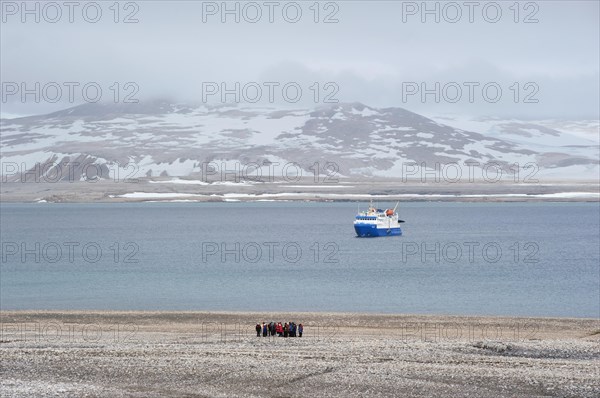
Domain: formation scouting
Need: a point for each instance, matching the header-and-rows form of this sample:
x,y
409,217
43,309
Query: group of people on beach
x,y
288,329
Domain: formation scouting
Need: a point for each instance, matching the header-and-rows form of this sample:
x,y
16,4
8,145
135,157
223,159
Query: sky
x,y
532,60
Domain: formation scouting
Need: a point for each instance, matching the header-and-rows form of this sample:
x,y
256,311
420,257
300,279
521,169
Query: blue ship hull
x,y
368,230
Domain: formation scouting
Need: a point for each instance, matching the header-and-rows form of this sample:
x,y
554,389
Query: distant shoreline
x,y
359,190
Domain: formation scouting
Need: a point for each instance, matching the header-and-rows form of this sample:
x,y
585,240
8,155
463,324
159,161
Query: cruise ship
x,y
377,222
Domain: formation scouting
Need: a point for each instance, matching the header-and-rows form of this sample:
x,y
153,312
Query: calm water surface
x,y
531,259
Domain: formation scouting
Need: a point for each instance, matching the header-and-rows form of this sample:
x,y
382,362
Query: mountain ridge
x,y
162,138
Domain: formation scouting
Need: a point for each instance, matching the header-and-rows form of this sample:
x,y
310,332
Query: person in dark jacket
x,y
286,330
300,330
264,329
257,330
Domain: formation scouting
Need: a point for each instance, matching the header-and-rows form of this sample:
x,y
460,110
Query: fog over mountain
x,y
369,49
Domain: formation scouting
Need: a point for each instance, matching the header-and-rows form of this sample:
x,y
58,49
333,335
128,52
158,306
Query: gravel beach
x,y
206,354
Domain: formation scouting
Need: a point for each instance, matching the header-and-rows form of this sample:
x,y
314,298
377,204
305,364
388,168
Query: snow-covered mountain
x,y
165,139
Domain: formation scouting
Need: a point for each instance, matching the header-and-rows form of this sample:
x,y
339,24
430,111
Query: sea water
x,y
516,259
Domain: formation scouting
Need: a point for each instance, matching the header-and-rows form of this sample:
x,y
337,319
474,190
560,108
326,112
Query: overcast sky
x,y
370,55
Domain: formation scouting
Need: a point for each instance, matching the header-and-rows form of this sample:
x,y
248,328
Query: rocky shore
x,y
205,354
